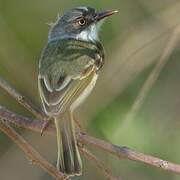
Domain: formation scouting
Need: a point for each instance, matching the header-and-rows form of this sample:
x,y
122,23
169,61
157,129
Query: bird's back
x,y
63,64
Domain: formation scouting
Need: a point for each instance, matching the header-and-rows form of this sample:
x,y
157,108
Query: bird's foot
x,y
45,126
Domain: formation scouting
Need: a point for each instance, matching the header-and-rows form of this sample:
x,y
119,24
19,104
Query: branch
x,y
107,172
29,106
33,155
37,125
21,121
22,99
127,153
120,152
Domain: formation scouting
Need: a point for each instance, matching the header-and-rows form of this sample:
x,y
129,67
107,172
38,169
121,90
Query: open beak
x,y
104,14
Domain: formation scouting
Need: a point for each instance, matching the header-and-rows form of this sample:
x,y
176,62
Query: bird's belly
x,y
85,93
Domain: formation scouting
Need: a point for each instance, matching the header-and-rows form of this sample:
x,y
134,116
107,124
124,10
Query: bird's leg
x,y
45,125
76,122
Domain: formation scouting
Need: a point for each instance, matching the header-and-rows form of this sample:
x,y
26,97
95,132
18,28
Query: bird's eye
x,y
82,22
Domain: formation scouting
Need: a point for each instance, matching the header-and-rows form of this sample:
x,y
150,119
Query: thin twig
x,y
149,83
22,121
120,152
106,171
22,99
36,125
32,154
127,153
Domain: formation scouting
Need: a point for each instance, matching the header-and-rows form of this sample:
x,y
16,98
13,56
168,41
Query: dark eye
x,y
82,22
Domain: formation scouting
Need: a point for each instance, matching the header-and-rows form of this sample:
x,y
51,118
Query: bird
x,y
68,70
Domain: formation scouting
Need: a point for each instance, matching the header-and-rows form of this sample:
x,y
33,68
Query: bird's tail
x,y
68,160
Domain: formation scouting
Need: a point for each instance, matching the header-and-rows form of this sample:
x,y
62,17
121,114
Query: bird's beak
x,y
104,14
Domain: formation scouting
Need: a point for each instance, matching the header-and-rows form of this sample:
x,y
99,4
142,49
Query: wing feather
x,y
57,101
59,87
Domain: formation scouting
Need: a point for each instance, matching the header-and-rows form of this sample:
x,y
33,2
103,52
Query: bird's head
x,y
81,23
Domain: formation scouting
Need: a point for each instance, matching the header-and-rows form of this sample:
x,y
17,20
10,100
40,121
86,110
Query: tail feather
x,y
68,160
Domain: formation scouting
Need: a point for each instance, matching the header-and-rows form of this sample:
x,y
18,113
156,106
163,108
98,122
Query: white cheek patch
x,y
91,33
83,35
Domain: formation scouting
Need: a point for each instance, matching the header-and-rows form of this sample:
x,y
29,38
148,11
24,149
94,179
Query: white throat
x,y
90,34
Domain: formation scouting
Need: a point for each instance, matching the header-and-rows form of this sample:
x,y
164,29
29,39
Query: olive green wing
x,y
61,81
57,102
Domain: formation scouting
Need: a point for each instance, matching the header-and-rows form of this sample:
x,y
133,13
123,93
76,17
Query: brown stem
x,y
127,153
106,171
22,121
32,154
36,125
22,99
120,152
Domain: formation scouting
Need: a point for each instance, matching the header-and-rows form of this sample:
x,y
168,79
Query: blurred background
x,y
134,40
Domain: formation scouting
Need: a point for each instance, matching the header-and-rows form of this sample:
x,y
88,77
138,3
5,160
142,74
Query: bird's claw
x,y
45,126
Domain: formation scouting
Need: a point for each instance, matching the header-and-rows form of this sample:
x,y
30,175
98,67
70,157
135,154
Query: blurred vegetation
x,y
142,27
